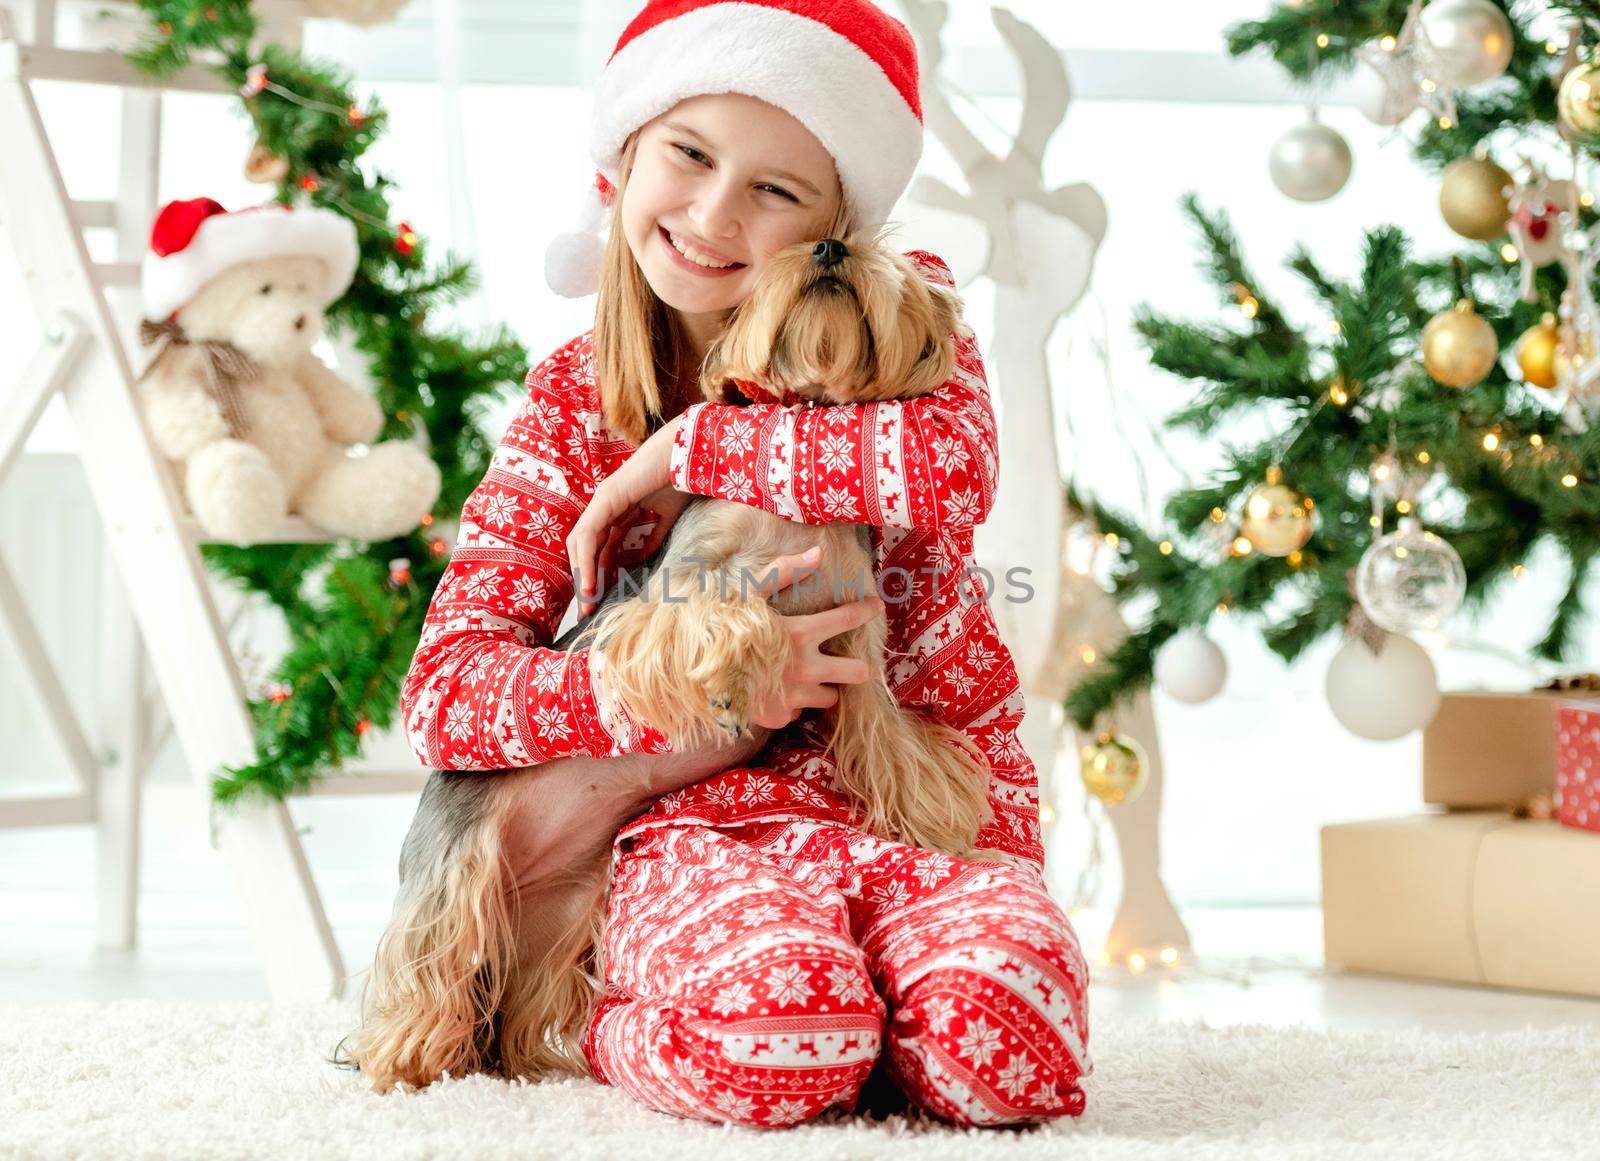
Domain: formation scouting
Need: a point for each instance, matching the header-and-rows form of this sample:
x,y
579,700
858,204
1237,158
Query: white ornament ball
x,y
1191,668
1383,98
1386,695
1310,163
1472,39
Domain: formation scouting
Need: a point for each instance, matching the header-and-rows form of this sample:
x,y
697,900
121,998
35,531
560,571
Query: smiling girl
x,y
763,951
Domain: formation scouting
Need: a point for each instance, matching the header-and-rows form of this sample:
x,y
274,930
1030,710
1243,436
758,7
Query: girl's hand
x,y
811,678
644,481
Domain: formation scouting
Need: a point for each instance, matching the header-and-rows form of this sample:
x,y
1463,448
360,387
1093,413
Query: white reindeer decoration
x,y
1040,251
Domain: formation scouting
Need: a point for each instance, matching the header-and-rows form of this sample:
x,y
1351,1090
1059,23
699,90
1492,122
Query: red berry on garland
x,y
363,726
255,79
356,115
309,183
278,692
406,240
399,571
437,546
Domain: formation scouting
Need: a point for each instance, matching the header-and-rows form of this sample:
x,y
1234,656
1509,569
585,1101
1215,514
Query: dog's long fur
x,y
461,983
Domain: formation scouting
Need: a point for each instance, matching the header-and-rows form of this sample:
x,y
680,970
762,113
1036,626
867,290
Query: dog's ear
x,y
934,312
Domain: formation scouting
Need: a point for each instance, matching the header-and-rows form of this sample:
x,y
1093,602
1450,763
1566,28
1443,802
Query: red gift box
x,y
1578,765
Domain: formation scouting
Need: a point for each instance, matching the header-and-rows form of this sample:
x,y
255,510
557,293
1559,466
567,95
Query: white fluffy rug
x,y
165,1081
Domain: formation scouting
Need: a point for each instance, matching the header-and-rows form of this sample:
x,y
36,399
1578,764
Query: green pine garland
x,y
1504,502
353,624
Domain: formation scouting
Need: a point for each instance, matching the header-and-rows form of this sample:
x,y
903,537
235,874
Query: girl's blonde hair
x,y
637,340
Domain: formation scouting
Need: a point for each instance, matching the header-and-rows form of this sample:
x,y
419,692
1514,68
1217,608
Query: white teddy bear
x,y
258,426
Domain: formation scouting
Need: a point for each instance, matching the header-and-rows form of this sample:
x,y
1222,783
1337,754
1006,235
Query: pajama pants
x,y
755,975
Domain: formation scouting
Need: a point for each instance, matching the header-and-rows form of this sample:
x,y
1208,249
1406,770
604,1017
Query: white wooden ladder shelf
x,y
175,623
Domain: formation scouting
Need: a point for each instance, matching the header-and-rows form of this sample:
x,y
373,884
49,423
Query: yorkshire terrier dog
x,y
839,322
477,973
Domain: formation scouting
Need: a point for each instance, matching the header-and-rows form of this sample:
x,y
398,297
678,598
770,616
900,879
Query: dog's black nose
x,y
829,252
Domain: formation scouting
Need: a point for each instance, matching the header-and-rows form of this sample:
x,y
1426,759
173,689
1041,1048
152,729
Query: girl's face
x,y
731,180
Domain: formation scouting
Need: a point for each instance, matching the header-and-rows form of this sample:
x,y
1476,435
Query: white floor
x,y
1251,965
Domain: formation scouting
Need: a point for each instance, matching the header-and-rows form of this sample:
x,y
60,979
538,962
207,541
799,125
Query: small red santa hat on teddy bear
x,y
195,240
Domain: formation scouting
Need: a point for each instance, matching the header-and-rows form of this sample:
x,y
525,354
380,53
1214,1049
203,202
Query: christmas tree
x,y
1411,469
353,611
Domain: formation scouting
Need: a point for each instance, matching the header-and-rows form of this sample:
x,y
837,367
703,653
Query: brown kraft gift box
x,y
1484,750
1476,898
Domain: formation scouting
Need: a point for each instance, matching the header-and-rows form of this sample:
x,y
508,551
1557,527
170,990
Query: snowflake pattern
x,y
835,453
759,789
739,438
458,720
740,488
760,914
543,525
930,869
712,935
980,657
789,985
962,507
481,585
735,1106
949,453
551,722
499,509
787,1112
1016,1078
845,985
736,996
939,1014
891,894
980,1042
840,504
547,673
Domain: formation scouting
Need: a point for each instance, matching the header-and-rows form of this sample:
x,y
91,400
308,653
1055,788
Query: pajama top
x,y
485,690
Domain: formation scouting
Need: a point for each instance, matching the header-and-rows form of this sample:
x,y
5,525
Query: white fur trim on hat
x,y
224,240
800,65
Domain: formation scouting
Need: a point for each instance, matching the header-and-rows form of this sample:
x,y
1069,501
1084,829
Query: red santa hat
x,y
844,69
193,241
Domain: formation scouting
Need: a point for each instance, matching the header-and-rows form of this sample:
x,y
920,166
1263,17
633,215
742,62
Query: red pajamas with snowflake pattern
x,y
976,983
755,977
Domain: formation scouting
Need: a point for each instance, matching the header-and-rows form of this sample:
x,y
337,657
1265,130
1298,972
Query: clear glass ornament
x,y
1410,580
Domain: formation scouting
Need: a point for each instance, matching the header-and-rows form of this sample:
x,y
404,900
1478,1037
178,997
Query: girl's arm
x,y
926,463
484,691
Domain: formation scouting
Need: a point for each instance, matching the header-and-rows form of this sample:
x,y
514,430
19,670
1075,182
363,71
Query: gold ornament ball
x,y
1536,353
1114,769
1578,101
1277,519
1458,347
1473,198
